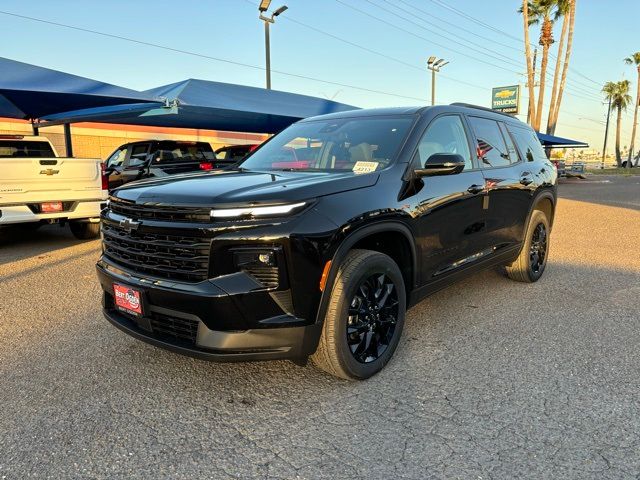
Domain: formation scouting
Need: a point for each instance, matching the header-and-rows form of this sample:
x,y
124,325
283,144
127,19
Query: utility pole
x,y
606,134
434,65
264,6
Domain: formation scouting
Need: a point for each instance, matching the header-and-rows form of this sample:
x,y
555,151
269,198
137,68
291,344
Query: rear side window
x,y
511,148
184,152
16,148
138,154
491,147
528,143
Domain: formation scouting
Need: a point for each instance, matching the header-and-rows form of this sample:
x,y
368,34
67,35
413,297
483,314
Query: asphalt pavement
x,y
493,379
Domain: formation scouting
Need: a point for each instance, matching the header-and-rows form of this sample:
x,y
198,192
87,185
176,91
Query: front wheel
x,y
530,264
85,231
365,316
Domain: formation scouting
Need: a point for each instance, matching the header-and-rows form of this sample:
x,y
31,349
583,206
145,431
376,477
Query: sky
x,y
379,46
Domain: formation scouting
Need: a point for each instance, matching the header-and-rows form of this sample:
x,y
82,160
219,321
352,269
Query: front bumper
x,y
225,319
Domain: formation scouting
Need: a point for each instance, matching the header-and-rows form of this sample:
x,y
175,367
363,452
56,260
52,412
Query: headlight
x,y
256,211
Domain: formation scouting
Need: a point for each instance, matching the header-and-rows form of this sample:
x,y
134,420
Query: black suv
x,y
157,158
320,240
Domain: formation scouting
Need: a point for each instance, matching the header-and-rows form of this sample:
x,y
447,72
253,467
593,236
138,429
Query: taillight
x,y
105,178
253,147
206,166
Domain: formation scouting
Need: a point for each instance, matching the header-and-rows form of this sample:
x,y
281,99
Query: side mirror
x,y
442,164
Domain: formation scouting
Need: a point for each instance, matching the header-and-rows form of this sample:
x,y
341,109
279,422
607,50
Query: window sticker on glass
x,y
365,167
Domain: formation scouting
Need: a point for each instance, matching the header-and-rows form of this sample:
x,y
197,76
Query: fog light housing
x,y
265,264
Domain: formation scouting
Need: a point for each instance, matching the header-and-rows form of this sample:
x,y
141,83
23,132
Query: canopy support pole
x,y
35,129
67,139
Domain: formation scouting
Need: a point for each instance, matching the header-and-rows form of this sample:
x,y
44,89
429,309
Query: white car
x,y
37,186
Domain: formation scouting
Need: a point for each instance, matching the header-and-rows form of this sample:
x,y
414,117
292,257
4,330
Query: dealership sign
x,y
506,99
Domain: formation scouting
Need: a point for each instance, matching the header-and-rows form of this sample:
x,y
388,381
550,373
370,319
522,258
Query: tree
x,y
544,12
567,9
634,59
618,94
527,52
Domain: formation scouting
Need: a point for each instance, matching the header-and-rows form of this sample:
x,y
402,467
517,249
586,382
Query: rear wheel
x,y
365,316
530,264
85,231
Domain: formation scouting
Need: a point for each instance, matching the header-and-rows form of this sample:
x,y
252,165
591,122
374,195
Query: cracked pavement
x,y
492,380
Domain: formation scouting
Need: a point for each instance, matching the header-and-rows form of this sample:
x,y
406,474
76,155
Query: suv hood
x,y
242,187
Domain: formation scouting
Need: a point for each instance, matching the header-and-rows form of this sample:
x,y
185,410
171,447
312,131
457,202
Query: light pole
x,y
263,7
434,65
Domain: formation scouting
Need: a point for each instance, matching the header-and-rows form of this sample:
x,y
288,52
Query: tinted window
x,y
492,151
117,158
511,148
177,152
17,148
138,154
445,135
528,143
358,144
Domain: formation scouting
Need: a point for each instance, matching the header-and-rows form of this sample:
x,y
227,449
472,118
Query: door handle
x,y
475,188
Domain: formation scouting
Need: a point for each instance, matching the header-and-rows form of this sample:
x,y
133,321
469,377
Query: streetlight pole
x,y
434,64
263,7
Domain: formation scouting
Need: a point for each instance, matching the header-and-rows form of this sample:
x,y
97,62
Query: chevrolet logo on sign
x,y
506,99
49,172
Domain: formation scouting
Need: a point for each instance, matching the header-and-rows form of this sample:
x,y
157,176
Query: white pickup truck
x,y
38,187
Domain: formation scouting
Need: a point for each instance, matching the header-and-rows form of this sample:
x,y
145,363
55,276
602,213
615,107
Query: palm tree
x,y
542,11
618,94
530,73
566,9
634,59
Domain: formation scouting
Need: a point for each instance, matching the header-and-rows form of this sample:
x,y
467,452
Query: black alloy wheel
x,y
538,249
373,315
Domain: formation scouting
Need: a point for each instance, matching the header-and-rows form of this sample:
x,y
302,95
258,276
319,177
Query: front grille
x,y
160,212
177,328
268,276
165,256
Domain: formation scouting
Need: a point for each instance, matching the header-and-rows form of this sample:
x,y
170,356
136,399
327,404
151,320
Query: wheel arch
x,y
545,201
368,237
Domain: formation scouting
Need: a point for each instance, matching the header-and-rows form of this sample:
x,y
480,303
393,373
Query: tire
x,y
369,347
530,265
85,231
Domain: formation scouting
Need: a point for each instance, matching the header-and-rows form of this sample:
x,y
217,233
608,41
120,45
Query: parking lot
x,y
492,379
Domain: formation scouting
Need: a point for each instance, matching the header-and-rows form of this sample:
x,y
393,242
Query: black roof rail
x,y
478,107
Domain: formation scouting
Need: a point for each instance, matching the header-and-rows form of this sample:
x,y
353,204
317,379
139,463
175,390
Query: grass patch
x,y
615,171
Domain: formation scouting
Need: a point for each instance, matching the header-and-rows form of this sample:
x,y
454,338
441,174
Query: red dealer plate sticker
x,y
127,299
51,207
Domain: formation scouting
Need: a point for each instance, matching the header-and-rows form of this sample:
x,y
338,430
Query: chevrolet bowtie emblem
x,y
129,225
49,171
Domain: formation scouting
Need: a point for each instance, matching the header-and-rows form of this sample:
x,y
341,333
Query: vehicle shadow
x,y
18,243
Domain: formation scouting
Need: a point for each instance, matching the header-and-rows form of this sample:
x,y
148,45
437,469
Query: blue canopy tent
x,y
551,141
213,106
30,92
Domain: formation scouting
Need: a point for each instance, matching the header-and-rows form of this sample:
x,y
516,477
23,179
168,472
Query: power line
x,y
208,57
501,32
507,60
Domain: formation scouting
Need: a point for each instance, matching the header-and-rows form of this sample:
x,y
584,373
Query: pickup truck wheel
x,y
365,316
85,231
530,264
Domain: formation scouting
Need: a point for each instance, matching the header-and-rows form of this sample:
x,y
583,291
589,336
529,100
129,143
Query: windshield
x,y
361,145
